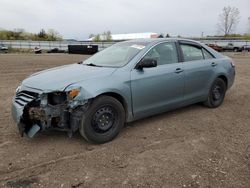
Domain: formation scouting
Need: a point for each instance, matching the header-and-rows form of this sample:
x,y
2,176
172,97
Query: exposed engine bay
x,y
56,110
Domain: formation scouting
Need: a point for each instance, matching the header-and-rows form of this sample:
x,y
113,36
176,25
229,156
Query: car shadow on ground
x,y
128,127
166,114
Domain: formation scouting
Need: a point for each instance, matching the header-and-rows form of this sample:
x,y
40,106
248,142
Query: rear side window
x,y
191,52
206,54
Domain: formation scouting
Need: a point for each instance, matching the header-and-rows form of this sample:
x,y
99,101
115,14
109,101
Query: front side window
x,y
164,53
191,52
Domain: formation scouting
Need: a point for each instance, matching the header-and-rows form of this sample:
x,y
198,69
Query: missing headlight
x,y
57,98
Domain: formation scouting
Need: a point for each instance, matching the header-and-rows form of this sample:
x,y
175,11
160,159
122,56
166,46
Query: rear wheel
x,y
103,120
216,94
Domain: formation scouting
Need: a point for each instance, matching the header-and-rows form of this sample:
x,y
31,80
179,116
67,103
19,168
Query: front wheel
x,y
216,94
103,120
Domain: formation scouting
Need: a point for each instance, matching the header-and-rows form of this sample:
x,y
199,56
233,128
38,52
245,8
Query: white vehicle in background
x,y
232,47
3,48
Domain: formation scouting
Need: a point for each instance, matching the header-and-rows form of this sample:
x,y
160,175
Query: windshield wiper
x,y
93,65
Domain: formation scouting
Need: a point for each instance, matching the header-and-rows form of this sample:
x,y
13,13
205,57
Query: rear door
x,y
198,68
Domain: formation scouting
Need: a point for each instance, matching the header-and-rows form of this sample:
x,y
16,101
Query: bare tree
x,y
248,29
109,36
91,36
228,20
106,36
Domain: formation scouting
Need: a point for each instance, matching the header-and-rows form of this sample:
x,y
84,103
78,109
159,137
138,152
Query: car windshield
x,y
116,55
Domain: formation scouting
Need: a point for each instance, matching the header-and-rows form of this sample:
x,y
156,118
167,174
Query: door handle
x,y
178,70
213,64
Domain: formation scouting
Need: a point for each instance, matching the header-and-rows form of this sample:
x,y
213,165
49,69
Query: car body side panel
x,y
118,83
156,89
222,68
197,76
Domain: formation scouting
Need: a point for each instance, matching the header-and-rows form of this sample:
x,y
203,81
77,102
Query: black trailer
x,y
83,49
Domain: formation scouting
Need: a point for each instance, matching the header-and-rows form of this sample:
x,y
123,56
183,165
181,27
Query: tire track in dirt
x,y
37,169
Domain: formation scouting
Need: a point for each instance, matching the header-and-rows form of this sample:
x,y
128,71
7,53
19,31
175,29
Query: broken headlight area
x,y
57,98
56,110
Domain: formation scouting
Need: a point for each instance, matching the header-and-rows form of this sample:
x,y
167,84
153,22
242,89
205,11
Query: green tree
x,y
53,35
97,38
42,34
20,34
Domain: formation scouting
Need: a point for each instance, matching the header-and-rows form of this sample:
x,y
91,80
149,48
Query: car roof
x,y
152,42
157,40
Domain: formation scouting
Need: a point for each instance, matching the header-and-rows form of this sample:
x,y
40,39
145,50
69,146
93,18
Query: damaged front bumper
x,y
34,112
17,112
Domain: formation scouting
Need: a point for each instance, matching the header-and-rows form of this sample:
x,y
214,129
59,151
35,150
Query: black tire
x,y
216,94
236,49
103,120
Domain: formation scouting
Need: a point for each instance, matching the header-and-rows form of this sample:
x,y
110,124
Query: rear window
x,y
207,55
191,52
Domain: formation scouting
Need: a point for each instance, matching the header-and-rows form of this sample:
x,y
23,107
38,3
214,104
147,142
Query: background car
x,y
216,47
246,48
3,48
37,50
56,50
232,47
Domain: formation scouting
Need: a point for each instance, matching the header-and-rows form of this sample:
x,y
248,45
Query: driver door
x,y
159,88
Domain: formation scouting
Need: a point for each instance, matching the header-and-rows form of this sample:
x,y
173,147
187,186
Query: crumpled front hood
x,y
57,79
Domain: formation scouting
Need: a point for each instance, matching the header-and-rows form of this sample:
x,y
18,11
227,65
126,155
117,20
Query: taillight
x,y
232,63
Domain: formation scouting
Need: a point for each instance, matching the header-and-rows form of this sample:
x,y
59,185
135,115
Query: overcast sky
x,y
79,18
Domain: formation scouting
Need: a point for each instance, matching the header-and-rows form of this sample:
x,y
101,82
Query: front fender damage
x,y
54,110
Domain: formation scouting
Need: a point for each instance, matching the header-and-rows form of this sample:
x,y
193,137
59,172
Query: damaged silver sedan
x,y
123,83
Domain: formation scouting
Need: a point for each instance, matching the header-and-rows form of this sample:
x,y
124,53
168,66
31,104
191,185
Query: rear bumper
x,y
231,78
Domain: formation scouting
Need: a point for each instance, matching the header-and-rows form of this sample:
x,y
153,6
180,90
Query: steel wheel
x,y
216,94
103,119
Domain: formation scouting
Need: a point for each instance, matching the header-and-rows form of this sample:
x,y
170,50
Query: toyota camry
x,y
125,82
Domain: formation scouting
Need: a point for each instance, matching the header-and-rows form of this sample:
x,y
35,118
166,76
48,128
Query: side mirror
x,y
146,63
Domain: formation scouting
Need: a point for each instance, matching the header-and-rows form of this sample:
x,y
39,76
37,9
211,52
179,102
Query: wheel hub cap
x,y
103,119
217,93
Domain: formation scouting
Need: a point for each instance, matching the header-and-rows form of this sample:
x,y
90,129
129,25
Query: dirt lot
x,y
190,147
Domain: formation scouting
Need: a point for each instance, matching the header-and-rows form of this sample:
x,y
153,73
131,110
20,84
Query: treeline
x,y
245,36
21,34
105,36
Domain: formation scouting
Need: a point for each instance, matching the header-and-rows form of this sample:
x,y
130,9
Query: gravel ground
x,y
189,147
